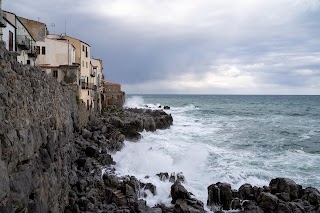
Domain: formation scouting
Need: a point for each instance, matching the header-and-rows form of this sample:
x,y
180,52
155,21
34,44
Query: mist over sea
x,y
226,138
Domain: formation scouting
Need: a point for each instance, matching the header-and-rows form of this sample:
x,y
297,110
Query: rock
x,y
250,206
86,134
149,186
178,192
131,134
246,192
117,122
92,151
312,195
166,107
236,204
268,202
284,185
220,194
189,205
163,176
172,178
180,177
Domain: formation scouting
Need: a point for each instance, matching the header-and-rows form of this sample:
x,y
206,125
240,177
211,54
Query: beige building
x,y
22,38
59,61
82,57
113,94
96,74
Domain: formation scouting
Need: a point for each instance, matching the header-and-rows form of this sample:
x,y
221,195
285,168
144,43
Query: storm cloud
x,y
204,46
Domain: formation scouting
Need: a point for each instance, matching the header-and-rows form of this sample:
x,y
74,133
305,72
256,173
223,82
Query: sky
x,y
193,47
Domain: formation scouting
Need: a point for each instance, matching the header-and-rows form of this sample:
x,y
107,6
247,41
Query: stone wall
x,y
38,118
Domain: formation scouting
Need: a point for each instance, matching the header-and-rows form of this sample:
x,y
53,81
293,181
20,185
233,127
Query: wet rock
x,y
166,107
172,178
163,176
246,192
268,202
178,192
312,195
250,206
149,186
284,185
220,194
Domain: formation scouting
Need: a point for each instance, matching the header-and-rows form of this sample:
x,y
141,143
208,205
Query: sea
x,y
226,138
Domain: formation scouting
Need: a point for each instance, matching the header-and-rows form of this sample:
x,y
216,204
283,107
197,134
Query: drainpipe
x,y
1,17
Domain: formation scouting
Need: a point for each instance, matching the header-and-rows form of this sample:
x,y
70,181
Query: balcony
x,y
93,74
32,53
23,42
85,85
3,22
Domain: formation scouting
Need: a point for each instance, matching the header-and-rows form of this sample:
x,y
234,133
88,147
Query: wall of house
x,y
5,36
23,54
82,56
56,53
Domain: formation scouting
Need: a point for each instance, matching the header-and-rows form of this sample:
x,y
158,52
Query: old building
x,y
113,94
59,62
96,74
23,42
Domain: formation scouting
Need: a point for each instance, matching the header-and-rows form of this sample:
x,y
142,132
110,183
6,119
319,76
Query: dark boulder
x,y
178,192
246,192
268,202
284,185
166,107
131,134
163,176
92,151
220,194
312,195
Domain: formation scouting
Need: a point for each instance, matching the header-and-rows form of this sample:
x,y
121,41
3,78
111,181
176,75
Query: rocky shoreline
x,y
124,194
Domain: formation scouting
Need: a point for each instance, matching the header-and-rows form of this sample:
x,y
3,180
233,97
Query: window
x,y
88,92
38,50
55,73
43,50
28,61
10,41
87,52
82,63
83,48
86,64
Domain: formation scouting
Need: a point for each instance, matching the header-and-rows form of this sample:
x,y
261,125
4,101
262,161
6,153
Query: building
x,y
82,57
20,41
112,94
9,35
97,76
59,62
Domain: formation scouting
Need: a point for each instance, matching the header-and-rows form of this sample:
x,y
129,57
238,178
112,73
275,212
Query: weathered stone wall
x,y
37,122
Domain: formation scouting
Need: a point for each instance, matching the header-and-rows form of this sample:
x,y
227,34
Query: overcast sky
x,y
194,46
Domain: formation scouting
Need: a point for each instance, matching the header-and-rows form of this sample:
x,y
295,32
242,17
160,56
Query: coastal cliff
x,y
55,156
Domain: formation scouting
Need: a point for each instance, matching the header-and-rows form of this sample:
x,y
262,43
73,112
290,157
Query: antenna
x,y
54,27
65,27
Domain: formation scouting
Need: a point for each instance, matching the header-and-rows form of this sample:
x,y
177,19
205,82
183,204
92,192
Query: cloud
x,y
170,46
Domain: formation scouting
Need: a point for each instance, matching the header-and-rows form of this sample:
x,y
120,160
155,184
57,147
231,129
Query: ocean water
x,y
234,139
